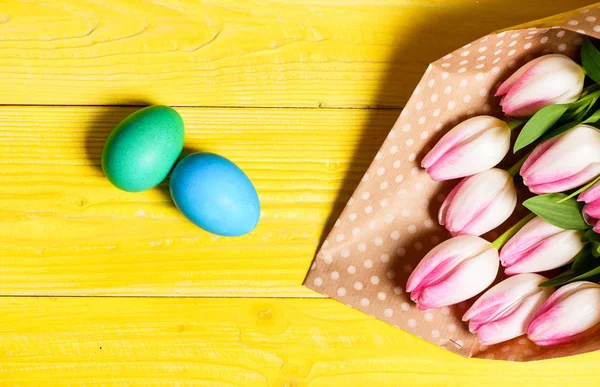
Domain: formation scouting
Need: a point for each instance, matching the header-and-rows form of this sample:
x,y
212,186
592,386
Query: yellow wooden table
x,y
104,288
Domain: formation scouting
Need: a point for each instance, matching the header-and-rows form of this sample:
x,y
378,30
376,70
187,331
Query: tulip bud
x,y
473,146
564,162
591,209
566,315
479,203
505,311
540,246
453,271
549,79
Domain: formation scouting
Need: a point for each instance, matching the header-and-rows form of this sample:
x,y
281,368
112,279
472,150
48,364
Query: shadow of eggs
x,y
215,194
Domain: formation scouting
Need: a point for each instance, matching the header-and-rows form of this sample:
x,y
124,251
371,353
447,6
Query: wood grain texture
x,y
238,342
283,53
66,230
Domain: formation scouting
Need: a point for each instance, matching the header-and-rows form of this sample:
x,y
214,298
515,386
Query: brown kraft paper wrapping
x,y
390,222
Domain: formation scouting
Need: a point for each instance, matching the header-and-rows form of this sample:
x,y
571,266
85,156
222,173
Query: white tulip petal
x,y
572,155
527,239
570,312
482,202
496,213
551,253
454,249
503,297
470,278
473,146
549,89
514,324
510,82
547,80
505,310
453,271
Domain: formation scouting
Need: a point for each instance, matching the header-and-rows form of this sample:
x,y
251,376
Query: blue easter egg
x,y
215,194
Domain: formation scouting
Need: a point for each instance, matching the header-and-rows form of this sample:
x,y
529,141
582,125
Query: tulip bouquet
x,y
554,104
509,124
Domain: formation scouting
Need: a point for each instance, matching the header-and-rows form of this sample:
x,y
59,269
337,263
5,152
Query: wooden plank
x,y
67,231
239,342
341,53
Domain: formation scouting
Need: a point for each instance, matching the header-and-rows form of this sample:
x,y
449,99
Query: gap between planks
x,y
212,107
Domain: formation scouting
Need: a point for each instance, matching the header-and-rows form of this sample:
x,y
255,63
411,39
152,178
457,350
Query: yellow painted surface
x,y
67,231
282,88
238,342
328,53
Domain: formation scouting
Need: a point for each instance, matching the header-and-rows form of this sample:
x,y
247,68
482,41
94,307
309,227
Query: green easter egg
x,y
142,149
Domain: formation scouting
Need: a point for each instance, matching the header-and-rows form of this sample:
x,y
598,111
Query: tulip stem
x,y
514,170
502,239
514,124
580,190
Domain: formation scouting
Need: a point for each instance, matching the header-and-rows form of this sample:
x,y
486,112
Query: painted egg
x,y
215,194
142,149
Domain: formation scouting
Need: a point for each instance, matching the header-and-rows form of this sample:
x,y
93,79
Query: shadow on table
x,y
102,122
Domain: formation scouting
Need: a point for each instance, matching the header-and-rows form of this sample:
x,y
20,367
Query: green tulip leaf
x,y
562,279
592,119
565,214
590,236
577,112
592,273
590,58
585,101
593,238
539,124
585,261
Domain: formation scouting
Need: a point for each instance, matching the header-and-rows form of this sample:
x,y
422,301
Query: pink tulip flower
x,y
547,80
453,271
564,162
479,203
540,246
591,209
505,311
473,146
570,313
